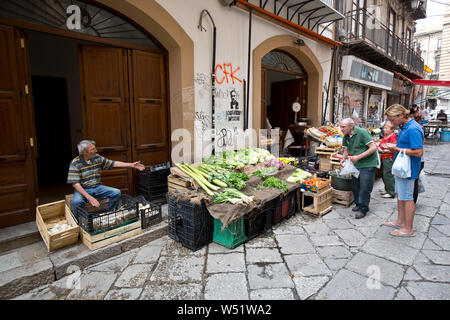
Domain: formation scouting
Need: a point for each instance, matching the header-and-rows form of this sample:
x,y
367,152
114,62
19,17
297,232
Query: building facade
x,y
143,78
378,59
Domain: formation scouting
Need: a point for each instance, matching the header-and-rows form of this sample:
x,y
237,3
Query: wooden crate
x,y
315,189
322,202
324,163
326,151
47,216
103,239
343,197
176,182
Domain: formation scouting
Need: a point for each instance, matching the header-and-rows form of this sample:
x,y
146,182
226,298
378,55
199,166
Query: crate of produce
x,y
150,213
97,220
325,164
315,185
94,242
156,193
342,197
258,221
190,224
231,236
321,203
55,229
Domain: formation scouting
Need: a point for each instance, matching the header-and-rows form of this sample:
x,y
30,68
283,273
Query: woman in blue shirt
x,y
409,139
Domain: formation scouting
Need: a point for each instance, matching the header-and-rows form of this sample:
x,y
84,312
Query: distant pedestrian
x,y
410,139
387,159
360,149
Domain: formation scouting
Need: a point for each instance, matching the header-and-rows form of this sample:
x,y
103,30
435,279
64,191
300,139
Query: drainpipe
x,y
213,78
250,14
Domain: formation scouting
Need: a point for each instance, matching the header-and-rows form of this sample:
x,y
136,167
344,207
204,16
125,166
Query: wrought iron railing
x,y
362,25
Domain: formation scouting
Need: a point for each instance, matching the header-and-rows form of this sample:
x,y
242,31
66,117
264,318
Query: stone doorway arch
x,y
150,16
311,65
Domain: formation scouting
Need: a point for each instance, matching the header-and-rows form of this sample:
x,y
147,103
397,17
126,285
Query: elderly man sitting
x,y
361,150
85,176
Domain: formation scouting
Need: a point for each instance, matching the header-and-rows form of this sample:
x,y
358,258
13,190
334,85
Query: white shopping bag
x,y
349,169
402,165
421,182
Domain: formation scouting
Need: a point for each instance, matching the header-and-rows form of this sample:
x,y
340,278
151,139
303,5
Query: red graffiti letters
x,y
225,70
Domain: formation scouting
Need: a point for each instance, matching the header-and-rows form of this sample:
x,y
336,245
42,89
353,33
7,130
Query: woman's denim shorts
x,y
404,189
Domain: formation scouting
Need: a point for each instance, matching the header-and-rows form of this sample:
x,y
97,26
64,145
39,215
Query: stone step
x,y
31,266
19,236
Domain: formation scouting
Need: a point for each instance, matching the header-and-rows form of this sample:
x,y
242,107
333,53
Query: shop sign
x,y
360,71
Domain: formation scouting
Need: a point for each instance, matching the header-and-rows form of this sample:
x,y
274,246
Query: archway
x,y
311,65
284,81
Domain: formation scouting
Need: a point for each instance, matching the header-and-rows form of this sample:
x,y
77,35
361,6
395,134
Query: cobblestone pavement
x,y
335,257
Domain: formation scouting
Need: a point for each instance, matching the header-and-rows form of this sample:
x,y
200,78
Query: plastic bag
x,y
421,183
349,169
402,165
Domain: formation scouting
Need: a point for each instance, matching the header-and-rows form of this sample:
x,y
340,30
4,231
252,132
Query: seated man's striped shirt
x,y
88,174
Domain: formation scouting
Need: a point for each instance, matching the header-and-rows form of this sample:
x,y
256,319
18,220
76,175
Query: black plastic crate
x,y
150,213
97,220
155,193
189,223
291,203
156,175
258,221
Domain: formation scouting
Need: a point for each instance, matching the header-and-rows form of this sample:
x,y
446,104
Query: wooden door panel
x,y
105,73
145,62
17,189
149,108
150,120
101,116
106,109
9,123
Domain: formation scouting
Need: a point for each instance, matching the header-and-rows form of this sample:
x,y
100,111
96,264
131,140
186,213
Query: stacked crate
x,y
322,197
153,183
325,157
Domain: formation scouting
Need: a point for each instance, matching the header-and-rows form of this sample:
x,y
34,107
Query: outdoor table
x,y
434,125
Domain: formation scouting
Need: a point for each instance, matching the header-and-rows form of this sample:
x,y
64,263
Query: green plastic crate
x,y
232,236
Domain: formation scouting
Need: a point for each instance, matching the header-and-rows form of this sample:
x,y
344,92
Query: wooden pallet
x,y
343,197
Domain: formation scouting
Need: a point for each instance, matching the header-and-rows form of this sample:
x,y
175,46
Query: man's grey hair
x,y
82,146
348,121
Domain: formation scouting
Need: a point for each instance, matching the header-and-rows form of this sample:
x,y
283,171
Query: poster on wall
x,y
353,101
374,109
229,105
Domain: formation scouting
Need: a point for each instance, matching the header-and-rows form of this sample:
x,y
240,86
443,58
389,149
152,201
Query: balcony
x,y
417,9
369,38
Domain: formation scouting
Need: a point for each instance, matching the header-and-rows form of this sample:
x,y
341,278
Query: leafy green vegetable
x,y
273,182
237,180
298,175
264,172
231,195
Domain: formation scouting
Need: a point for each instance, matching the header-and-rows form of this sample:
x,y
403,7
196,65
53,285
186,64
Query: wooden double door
x,y
124,109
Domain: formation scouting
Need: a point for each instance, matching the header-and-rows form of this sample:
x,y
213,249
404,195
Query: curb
x,y
59,264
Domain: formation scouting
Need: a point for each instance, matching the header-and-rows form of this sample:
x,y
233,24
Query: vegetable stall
x,y
243,193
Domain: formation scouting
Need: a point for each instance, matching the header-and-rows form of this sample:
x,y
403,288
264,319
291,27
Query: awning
x,y
301,15
433,83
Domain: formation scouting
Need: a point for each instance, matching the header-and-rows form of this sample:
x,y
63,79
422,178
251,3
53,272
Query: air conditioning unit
x,y
226,3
